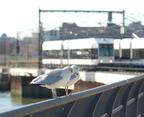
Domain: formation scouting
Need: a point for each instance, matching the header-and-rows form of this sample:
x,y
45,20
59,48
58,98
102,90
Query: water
x,y
9,102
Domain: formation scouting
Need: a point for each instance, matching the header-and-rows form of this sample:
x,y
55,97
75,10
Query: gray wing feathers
x,y
49,78
73,76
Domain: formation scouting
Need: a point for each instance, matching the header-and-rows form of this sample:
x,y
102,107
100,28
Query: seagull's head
x,y
68,69
75,69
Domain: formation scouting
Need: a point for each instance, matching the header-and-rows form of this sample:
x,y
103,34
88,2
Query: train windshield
x,y
105,49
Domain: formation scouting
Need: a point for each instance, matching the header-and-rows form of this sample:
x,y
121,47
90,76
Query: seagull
x,y
54,79
73,79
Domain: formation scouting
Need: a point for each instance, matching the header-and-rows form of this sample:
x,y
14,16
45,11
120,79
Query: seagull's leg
x,y
66,90
54,92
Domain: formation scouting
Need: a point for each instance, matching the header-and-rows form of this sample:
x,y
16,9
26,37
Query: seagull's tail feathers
x,y
37,80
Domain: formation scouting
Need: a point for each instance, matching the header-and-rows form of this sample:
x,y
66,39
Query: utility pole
x,y
5,51
17,49
40,41
39,45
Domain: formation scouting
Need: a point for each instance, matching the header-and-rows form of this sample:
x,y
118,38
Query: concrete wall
x,y
25,71
102,77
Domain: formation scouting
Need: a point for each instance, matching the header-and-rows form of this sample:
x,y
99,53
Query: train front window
x,y
105,50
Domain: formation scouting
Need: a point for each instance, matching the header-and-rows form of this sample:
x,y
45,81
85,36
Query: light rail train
x,y
86,53
129,51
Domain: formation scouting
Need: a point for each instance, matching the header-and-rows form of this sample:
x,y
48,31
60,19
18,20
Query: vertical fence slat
x,y
105,103
131,109
121,99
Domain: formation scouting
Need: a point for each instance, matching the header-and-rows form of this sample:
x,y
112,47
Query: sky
x,y
21,15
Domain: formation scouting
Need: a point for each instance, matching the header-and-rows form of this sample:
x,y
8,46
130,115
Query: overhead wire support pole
x,y
123,12
39,42
123,21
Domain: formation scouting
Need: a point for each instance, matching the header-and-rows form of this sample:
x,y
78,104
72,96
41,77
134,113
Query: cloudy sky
x,y
21,15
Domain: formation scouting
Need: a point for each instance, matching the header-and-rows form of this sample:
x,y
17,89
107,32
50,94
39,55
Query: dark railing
x,y
121,99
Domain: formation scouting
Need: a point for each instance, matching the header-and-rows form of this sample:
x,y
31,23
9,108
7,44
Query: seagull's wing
x,y
53,77
36,80
49,78
73,76
73,79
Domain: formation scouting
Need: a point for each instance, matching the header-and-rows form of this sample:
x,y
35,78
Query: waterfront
x,y
10,102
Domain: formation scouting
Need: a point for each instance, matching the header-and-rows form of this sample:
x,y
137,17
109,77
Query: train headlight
x,y
101,61
110,61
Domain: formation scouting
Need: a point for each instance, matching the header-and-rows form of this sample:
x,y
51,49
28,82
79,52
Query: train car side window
x,y
65,54
138,53
125,54
94,53
141,53
80,54
52,54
